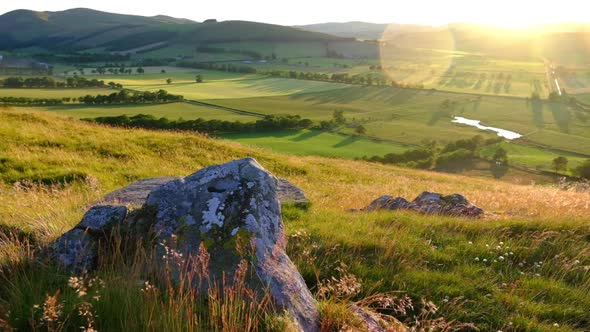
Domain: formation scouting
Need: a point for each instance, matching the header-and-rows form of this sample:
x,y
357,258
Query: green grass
x,y
532,157
171,111
52,93
545,281
316,143
410,116
245,87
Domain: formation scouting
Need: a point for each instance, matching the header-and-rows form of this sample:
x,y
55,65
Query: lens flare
x,y
417,58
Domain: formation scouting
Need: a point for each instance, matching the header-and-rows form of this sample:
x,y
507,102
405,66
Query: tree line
x,y
126,97
31,101
268,123
227,67
48,83
121,97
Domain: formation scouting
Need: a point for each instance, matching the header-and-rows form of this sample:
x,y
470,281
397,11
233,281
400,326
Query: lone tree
x,y
560,164
199,78
500,156
360,129
169,81
338,117
140,70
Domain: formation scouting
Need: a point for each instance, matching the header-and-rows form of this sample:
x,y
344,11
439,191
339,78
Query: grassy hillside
x,y
541,283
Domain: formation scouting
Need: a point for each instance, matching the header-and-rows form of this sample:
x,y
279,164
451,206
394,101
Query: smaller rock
x,y
137,192
289,193
100,219
429,203
388,203
372,322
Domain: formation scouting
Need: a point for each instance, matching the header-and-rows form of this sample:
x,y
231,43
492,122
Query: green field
x,y
408,116
171,111
248,86
53,93
317,143
532,157
405,116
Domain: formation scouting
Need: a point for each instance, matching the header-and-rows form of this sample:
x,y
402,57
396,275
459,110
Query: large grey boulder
x,y
220,205
429,203
231,210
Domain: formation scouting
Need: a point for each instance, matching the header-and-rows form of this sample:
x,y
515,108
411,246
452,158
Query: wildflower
x,y
477,259
501,243
537,275
576,262
485,260
555,324
470,242
501,258
52,308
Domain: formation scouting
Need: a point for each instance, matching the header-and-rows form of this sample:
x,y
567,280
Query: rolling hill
x,y
363,30
80,29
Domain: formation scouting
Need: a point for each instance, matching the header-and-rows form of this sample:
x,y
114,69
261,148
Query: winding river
x,y
476,123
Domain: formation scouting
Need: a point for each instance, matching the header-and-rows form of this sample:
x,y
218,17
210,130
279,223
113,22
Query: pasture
x,y
54,93
400,117
172,111
317,143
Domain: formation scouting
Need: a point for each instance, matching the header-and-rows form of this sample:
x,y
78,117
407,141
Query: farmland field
x,y
395,117
317,143
53,93
172,111
248,86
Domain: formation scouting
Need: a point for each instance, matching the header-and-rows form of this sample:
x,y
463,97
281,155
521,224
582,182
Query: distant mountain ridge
x,y
81,28
363,30
378,31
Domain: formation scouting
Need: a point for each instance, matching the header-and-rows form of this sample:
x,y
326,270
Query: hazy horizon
x,y
423,12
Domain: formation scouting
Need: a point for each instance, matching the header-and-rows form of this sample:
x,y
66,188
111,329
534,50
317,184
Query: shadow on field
x,y
561,115
306,136
385,95
440,114
537,108
347,141
264,134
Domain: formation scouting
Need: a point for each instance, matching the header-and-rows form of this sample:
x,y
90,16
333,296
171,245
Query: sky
x,y
509,13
